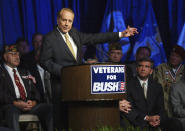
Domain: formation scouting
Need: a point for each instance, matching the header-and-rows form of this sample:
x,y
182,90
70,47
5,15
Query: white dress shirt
x,y
145,86
141,82
41,72
11,73
71,41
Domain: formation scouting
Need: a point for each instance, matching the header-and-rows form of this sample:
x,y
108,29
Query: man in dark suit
x,y
146,99
141,52
18,94
62,47
42,76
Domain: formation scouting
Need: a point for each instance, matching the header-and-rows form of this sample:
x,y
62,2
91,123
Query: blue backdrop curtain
x,y
176,18
1,34
11,21
139,14
181,40
149,32
22,18
116,12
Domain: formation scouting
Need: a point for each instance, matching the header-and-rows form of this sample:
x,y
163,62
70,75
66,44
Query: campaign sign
x,y
107,79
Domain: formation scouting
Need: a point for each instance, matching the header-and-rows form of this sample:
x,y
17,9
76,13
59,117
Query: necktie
x,y
69,45
144,89
20,86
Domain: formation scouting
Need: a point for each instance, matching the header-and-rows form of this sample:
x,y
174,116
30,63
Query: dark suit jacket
x,y
7,91
153,105
55,54
45,96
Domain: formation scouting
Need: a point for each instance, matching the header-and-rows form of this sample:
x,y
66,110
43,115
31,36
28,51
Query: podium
x,y
87,111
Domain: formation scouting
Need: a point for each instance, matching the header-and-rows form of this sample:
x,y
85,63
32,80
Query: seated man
x,y
169,73
90,55
142,52
115,53
146,98
41,76
26,57
115,56
177,98
18,94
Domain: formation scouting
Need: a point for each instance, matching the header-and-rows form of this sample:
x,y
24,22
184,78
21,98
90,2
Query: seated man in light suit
x,y
18,94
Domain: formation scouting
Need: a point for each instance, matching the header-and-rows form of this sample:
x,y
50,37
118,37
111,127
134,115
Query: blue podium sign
x,y
107,79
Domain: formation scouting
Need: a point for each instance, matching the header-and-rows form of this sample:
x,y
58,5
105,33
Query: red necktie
x,y
20,86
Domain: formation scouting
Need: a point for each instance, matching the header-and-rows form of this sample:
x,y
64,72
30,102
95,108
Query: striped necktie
x,y
20,86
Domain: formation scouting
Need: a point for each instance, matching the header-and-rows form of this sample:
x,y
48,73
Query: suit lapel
x,y
63,44
150,90
9,81
140,89
36,74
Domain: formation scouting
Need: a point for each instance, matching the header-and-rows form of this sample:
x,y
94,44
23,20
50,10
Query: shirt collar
x,y
62,32
142,81
9,68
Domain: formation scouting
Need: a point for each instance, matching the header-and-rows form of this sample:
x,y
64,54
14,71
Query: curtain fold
x,y
11,21
139,14
176,12
23,18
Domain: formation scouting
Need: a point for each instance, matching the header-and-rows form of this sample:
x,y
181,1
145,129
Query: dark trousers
x,y
168,124
60,112
5,129
171,124
43,111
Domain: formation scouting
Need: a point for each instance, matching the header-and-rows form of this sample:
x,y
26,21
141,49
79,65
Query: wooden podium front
x,y
87,111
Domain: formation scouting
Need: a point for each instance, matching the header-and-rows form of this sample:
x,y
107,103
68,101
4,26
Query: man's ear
x,y
5,56
57,21
136,69
58,18
151,71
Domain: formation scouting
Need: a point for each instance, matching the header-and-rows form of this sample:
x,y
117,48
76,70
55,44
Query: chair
x,y
30,118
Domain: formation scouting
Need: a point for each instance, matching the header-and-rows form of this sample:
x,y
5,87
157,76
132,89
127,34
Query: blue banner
x,y
113,22
181,40
149,34
107,79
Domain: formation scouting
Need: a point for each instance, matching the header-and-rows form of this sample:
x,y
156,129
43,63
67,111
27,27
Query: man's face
x,y
175,59
115,55
65,21
37,42
12,59
142,54
23,47
144,70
